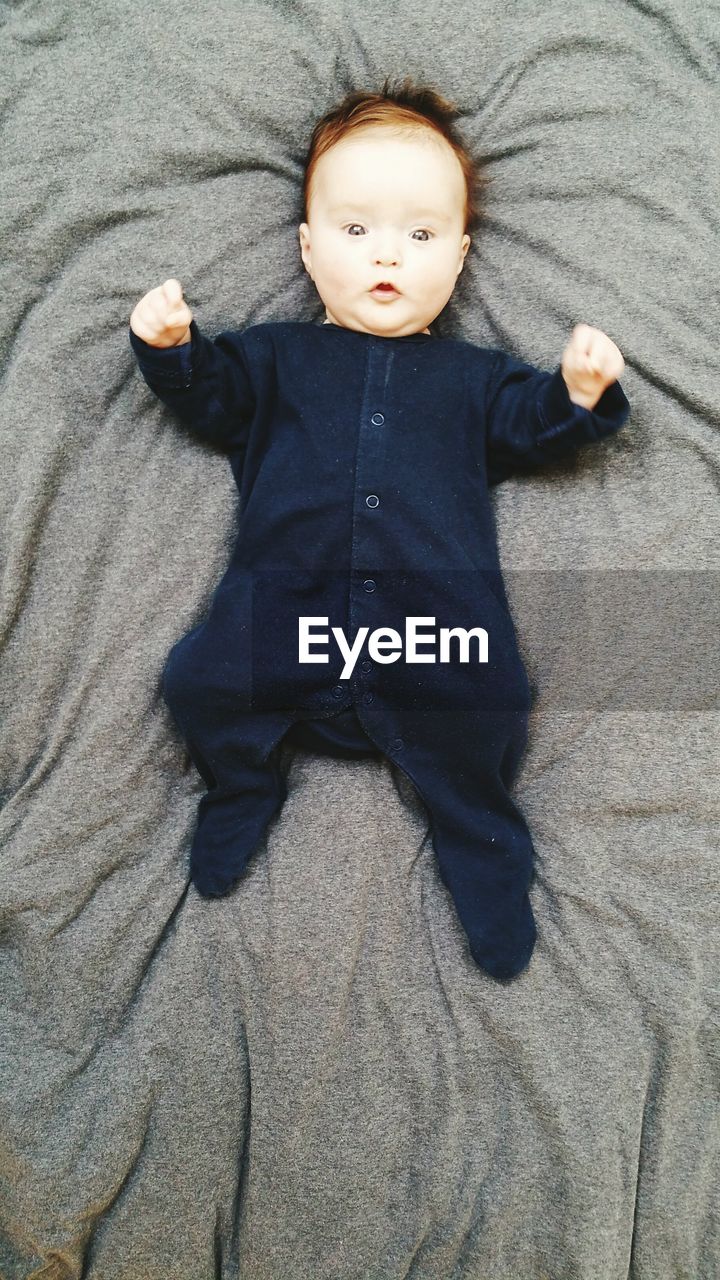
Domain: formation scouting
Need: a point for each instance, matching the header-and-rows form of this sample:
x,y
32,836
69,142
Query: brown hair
x,y
407,108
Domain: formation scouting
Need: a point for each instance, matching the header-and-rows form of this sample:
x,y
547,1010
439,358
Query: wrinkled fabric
x,y
310,1078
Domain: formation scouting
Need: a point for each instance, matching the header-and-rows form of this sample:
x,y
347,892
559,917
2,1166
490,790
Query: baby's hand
x,y
162,318
590,362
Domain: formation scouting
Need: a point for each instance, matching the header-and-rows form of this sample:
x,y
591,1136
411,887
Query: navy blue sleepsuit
x,y
364,465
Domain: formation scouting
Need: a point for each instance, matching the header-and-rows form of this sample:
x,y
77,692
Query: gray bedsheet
x,y
310,1079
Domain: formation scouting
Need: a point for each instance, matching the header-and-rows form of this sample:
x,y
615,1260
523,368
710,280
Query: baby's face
x,y
385,208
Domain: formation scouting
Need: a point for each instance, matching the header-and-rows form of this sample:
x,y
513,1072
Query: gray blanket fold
x,y
310,1079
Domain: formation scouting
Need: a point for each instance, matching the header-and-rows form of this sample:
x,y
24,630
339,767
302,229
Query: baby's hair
x,y
407,108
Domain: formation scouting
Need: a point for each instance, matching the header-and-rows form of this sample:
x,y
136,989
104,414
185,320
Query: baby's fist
x,y
162,318
590,363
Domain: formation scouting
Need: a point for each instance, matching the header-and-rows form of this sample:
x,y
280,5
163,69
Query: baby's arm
x,y
533,417
206,383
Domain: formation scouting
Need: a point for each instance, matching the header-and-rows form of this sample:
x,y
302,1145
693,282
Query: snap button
x,y
338,691
397,744
366,665
369,585
372,500
367,698
377,419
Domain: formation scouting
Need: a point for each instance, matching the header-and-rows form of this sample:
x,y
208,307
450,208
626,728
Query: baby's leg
x,y
247,791
482,843
234,753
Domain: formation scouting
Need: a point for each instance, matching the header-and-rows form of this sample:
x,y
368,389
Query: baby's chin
x,y
377,325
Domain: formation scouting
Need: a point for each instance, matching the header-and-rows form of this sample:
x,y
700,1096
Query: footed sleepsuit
x,y
364,465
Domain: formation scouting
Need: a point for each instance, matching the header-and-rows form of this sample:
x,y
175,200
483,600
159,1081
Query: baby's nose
x,y
387,259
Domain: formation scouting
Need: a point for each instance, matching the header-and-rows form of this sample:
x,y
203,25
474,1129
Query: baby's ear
x,y
304,237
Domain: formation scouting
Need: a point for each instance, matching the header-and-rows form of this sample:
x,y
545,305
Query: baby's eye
x,y
422,230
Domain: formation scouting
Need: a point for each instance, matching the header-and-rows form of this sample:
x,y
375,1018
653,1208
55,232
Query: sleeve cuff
x,y
170,366
559,413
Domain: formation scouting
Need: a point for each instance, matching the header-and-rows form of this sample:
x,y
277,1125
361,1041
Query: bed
x,y
310,1079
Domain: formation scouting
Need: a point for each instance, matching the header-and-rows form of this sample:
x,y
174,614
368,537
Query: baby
x,y
364,448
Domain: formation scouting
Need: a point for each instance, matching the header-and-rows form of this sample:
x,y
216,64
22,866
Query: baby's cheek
x,y
338,270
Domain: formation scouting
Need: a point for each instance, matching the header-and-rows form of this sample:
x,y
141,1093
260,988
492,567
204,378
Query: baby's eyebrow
x,y
432,214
